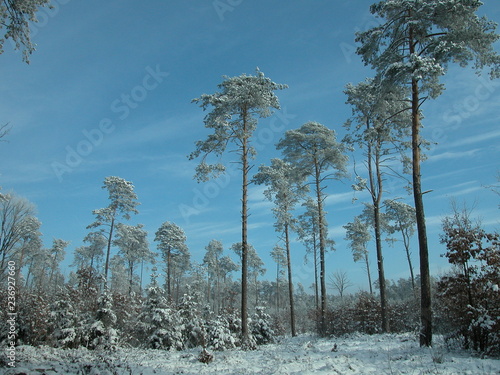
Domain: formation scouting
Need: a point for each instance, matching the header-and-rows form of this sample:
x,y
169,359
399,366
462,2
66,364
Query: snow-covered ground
x,y
305,354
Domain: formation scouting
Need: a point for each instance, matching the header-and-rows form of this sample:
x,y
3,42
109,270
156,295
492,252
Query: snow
x,y
305,354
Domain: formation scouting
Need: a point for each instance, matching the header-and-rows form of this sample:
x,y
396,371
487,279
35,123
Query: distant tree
x,y
279,256
211,260
15,16
233,119
172,243
57,253
358,236
313,149
340,282
89,257
123,202
29,244
308,233
119,282
412,47
16,213
255,265
133,244
285,186
401,218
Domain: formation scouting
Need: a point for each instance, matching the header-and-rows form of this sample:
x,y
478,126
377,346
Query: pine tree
x,y
233,119
172,244
313,149
123,202
286,188
412,47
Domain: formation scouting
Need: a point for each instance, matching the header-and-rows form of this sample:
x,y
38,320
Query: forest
x,y
230,299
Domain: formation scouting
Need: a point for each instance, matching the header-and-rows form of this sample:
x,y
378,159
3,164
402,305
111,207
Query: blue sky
x,y
109,89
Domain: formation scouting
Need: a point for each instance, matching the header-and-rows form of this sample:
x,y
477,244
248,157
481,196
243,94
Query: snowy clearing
x,y
305,354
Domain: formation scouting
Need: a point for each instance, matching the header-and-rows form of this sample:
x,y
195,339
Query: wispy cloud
x,y
454,155
476,138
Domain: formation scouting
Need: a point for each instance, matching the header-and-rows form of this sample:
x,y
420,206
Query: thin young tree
x,y
401,218
308,234
286,188
340,281
123,202
358,236
172,243
233,119
412,47
313,149
378,126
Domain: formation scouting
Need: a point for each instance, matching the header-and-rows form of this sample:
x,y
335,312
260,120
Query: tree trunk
x,y
131,277
290,282
376,189
108,252
368,272
425,280
169,270
244,236
315,249
322,250
406,243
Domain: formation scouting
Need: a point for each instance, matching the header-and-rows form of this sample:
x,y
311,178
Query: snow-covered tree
x,y
308,233
211,260
91,255
378,126
469,294
102,334
279,256
29,244
261,327
313,149
358,236
285,187
119,282
56,253
15,16
16,215
412,47
159,325
235,110
172,244
123,202
255,265
401,218
133,244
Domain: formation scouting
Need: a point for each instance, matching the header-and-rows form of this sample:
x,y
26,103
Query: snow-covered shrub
x,y
340,320
218,334
260,327
404,316
367,314
103,334
190,314
127,309
65,326
159,326
469,297
33,317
